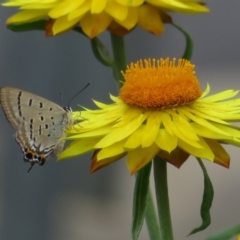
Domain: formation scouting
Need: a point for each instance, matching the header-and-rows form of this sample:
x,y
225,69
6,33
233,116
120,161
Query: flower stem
x,y
119,56
161,188
119,65
151,219
189,42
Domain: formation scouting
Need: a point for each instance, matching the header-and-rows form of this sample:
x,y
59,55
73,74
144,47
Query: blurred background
x,y
63,200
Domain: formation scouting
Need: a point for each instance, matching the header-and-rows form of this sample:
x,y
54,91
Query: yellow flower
x,y
161,110
95,16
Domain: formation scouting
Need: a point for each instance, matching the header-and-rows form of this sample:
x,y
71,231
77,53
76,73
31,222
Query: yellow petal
x,y
149,19
93,25
166,141
100,104
229,107
65,7
233,131
96,165
217,111
204,152
21,3
115,99
133,3
116,10
232,142
28,16
62,24
38,6
78,147
184,137
180,6
94,121
200,120
94,133
183,125
166,121
80,12
151,129
220,96
120,133
135,139
128,116
111,151
139,157
206,92
231,103
212,134
221,156
131,20
98,6
197,112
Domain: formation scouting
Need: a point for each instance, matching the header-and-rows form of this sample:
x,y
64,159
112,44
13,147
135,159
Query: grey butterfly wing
x,y
40,124
19,105
42,135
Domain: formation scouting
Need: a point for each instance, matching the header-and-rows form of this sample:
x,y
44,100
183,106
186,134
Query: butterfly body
x,y
40,124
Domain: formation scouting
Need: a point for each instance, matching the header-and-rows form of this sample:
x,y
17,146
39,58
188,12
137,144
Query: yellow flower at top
x,y
161,111
95,16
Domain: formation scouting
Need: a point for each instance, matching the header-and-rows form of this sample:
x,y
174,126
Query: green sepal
x,y
206,201
37,25
140,199
189,43
226,234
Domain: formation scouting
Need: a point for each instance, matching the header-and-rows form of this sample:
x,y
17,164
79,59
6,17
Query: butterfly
x,y
39,123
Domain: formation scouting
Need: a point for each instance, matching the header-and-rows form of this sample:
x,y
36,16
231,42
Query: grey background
x,y
63,200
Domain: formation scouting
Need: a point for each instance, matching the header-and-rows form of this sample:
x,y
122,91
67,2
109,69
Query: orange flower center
x,y
160,84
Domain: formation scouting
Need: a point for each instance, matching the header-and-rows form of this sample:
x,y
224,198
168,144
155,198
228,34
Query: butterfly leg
x,y
31,166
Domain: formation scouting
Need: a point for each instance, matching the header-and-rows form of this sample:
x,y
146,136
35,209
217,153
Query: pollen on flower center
x,y
159,84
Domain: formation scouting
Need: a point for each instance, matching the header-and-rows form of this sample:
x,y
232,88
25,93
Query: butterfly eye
x,y
67,109
28,156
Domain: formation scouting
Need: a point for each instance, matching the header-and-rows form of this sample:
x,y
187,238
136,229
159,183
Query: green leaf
x,y
189,43
226,234
38,25
140,199
206,202
101,52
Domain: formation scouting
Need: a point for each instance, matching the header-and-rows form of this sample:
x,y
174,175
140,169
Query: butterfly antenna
x,y
32,164
78,93
61,96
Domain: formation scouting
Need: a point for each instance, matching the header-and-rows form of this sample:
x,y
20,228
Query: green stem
x,y
151,219
189,42
119,65
119,56
161,188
